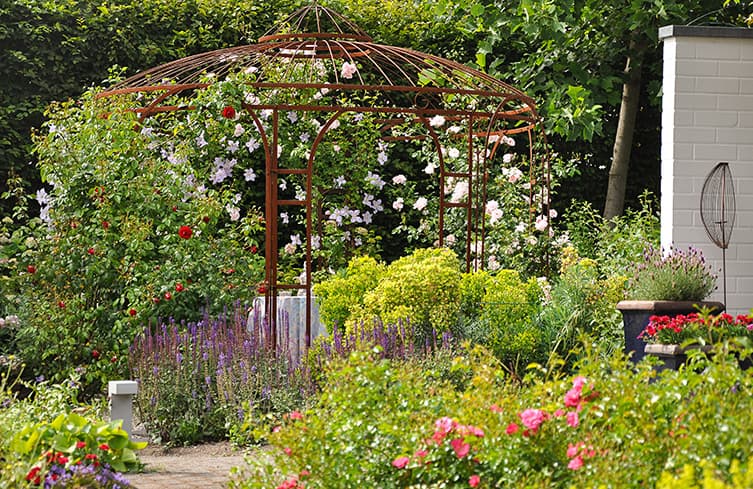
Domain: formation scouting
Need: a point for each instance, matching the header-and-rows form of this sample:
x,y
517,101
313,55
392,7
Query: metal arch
x,y
392,73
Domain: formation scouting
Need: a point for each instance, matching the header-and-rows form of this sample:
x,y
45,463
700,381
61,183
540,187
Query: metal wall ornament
x,y
316,50
718,211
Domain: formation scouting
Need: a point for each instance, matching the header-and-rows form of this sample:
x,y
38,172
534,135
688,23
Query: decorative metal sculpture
x,y
718,211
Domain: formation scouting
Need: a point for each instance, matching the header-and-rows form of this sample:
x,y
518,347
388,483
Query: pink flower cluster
x,y
459,435
576,453
532,419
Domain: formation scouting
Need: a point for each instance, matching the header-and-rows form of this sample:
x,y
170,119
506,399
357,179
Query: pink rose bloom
x,y
579,382
572,419
572,398
474,480
461,447
575,463
532,418
559,413
421,454
296,415
400,462
572,450
512,428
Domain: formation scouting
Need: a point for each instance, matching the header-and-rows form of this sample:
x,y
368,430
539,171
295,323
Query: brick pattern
x,y
707,117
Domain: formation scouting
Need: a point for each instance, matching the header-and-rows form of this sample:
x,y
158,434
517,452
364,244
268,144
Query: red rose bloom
x,y
80,444
262,289
254,249
90,251
132,311
105,224
205,218
228,112
61,305
95,354
33,476
31,269
185,232
168,296
179,287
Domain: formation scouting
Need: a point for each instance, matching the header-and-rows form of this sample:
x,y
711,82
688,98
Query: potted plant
x,y
670,338
665,284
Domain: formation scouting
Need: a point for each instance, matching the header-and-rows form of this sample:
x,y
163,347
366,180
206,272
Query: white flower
x,y
249,175
304,137
513,174
293,117
374,180
399,179
491,206
42,197
266,113
437,121
508,157
336,148
450,239
252,145
367,217
429,169
232,146
508,140
420,203
290,248
493,264
284,217
348,70
252,99
552,213
279,150
340,181
335,124
251,70
316,242
453,153
398,204
283,184
541,223
382,158
295,239
459,192
454,129
238,130
200,141
235,213
495,216
521,227
300,194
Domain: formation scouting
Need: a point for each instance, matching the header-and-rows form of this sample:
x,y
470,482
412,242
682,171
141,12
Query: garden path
x,y
194,467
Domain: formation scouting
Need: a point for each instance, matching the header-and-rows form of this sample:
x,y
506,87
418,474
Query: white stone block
x,y
693,101
717,85
714,152
122,387
740,69
715,48
696,67
715,118
740,103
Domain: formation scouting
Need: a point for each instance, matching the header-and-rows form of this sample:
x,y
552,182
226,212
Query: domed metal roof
x,y
318,48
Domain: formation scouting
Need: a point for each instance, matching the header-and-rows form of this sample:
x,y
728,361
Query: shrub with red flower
x,y
185,232
701,326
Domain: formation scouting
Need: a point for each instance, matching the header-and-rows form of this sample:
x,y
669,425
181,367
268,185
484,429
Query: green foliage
x,y
612,425
582,302
342,295
123,237
50,427
510,307
362,418
616,244
423,287
706,476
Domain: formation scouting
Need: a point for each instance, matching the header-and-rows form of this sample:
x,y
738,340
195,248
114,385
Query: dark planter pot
x,y
635,316
673,356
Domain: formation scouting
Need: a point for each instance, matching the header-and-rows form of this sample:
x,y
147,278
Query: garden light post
x,y
121,394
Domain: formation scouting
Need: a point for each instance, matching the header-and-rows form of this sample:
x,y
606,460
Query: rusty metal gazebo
x,y
404,85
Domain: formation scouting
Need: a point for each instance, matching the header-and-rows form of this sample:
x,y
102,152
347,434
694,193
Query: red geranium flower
x,y
33,476
185,232
228,112
104,447
80,444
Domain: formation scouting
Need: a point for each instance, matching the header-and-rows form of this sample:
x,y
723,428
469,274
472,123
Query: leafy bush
x,y
127,233
510,307
612,425
342,295
581,302
616,244
423,286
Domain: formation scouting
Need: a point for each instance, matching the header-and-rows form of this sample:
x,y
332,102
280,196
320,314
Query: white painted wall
x,y
707,117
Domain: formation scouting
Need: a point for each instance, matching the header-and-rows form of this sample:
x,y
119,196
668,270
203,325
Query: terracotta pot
x,y
635,316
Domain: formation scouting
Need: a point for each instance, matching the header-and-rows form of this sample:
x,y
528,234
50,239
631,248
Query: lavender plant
x,y
674,276
196,379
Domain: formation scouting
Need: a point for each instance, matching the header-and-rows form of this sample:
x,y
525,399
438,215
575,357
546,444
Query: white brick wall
x,y
707,117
